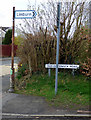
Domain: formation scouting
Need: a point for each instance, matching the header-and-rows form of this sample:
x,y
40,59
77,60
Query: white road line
x,y
29,115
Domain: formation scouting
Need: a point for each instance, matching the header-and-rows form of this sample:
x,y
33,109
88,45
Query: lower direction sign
x,y
69,66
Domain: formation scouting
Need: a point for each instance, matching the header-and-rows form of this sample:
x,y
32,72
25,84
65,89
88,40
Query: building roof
x,y
5,28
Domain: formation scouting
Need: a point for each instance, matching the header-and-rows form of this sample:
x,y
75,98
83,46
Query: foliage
x,y
8,37
86,68
37,50
18,40
84,53
39,47
22,70
70,90
70,42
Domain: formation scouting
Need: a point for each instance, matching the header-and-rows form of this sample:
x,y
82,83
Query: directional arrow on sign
x,y
25,14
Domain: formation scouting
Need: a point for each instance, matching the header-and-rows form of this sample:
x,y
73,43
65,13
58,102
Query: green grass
x,y
72,91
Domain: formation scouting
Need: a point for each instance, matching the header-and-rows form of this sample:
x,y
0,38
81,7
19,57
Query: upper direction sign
x,y
25,14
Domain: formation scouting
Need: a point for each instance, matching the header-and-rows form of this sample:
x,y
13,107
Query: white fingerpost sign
x,y
25,14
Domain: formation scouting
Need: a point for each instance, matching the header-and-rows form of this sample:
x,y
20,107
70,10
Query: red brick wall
x,y
6,50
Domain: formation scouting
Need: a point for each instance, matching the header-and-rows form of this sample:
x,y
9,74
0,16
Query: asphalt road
x,y
5,72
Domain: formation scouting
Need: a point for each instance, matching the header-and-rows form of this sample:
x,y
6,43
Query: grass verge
x,y
73,91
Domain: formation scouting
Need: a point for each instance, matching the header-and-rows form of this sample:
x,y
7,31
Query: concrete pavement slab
x,y
26,104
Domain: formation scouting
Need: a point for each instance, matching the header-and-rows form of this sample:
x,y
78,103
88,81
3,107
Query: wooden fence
x,y
6,50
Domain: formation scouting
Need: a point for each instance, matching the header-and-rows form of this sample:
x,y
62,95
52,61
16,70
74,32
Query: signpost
x,y
65,66
58,37
18,14
12,54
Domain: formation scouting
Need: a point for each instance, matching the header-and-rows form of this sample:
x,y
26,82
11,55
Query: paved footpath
x,y
17,106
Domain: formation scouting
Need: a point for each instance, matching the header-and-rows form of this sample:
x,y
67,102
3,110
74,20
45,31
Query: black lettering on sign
x,y
17,14
33,13
29,14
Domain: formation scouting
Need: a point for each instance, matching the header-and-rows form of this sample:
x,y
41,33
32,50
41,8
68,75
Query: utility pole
x,y
12,54
57,52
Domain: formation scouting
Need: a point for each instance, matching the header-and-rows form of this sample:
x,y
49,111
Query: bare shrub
x,y
37,50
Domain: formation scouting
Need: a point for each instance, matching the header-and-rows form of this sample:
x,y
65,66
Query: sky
x,y
6,9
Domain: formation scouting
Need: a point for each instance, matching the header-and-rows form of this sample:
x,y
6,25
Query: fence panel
x,y
6,50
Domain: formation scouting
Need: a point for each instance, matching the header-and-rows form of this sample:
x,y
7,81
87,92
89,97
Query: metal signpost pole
x,y
12,53
90,15
58,38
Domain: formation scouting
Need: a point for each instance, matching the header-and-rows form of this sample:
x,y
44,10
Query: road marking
x,y
5,69
29,115
83,111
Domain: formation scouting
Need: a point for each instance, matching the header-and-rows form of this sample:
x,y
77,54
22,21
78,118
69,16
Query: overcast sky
x,y
6,8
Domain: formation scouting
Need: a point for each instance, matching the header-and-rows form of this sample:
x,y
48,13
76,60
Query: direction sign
x,y
69,66
25,14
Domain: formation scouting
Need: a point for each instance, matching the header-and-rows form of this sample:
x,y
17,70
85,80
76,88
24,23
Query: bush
x,y
85,52
22,70
86,68
38,50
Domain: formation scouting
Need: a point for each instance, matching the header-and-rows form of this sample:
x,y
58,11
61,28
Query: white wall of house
x,y
2,33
